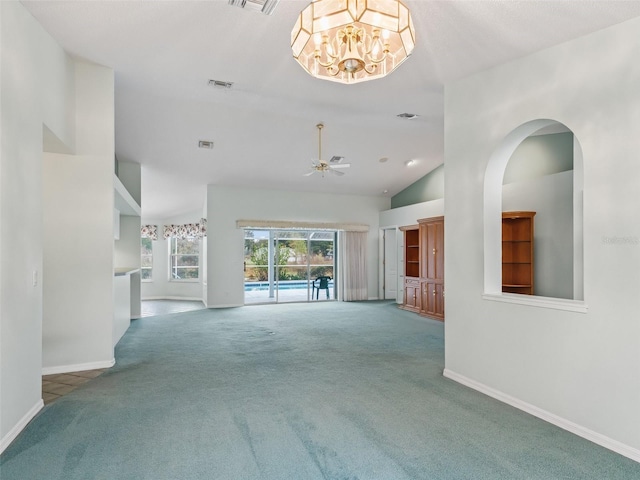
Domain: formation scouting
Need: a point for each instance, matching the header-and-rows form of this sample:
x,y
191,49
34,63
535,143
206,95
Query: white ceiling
x,y
164,52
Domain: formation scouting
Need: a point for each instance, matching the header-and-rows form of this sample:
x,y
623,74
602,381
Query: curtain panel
x,y
354,266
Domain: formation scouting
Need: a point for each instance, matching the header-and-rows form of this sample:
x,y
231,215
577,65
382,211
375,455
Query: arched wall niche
x,y
493,191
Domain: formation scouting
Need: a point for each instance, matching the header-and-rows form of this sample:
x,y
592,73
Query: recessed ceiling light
x,y
385,191
220,84
408,116
410,163
383,159
205,144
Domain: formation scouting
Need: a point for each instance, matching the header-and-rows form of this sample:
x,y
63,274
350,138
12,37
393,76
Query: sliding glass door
x,y
291,271
289,265
322,264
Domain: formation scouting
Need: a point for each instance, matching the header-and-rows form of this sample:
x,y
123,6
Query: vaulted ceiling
x,y
264,128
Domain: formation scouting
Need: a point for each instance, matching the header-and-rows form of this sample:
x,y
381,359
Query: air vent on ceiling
x,y
220,84
408,116
265,6
205,144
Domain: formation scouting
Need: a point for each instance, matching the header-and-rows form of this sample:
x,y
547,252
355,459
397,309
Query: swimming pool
x,y
281,285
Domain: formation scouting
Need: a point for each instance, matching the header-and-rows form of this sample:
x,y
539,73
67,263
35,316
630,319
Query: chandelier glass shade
x,y
351,41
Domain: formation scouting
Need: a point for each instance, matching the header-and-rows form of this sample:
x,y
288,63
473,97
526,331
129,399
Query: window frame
x,y
142,256
174,241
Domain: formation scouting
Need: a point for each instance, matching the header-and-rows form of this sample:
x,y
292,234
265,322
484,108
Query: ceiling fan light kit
x,y
332,166
351,41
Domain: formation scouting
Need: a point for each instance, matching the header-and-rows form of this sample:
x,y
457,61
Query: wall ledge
x,y
18,427
578,306
579,430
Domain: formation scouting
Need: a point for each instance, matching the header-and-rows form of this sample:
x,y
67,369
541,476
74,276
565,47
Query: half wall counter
x,y
126,299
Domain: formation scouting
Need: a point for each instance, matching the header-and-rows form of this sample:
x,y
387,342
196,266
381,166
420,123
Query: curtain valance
x,y
149,231
187,230
292,225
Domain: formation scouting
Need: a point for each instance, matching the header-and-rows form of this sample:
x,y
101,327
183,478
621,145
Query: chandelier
x,y
350,41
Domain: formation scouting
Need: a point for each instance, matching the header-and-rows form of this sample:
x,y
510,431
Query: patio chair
x,y
320,283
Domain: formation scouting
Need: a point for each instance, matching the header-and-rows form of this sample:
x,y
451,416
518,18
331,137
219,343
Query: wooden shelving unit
x,y
424,267
412,253
411,268
517,252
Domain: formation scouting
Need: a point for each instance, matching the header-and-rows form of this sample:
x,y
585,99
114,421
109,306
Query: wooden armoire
x,y
424,267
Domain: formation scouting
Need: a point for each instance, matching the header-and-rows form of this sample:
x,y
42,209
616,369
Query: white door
x,y
390,263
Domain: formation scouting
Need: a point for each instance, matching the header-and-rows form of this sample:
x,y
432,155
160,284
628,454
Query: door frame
x,y
386,234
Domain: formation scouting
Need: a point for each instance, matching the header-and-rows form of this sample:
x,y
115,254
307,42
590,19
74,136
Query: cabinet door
x,y
432,249
412,298
425,298
432,301
436,250
438,307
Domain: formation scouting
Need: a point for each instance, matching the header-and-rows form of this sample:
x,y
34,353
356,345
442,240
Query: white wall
x,y
78,196
161,287
78,263
409,215
226,205
578,370
130,174
127,248
540,155
29,60
121,307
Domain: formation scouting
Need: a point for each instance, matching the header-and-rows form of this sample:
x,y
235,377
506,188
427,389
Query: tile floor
x,y
57,385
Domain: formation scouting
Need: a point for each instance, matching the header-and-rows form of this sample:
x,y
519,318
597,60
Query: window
x,y
184,259
146,254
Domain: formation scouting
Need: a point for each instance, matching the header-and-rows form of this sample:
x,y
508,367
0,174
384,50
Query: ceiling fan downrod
x,y
320,127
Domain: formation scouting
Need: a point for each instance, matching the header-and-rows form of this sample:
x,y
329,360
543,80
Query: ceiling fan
x,y
333,165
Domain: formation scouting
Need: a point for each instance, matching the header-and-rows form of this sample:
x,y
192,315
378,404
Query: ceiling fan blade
x,y
309,174
336,172
341,165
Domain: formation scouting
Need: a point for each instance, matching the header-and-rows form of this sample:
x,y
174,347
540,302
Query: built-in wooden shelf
x,y
424,267
517,252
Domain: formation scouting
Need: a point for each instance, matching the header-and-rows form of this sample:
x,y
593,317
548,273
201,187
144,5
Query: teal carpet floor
x,y
328,391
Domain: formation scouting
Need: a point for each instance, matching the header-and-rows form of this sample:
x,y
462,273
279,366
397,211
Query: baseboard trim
x,y
231,305
18,427
186,299
579,430
78,367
